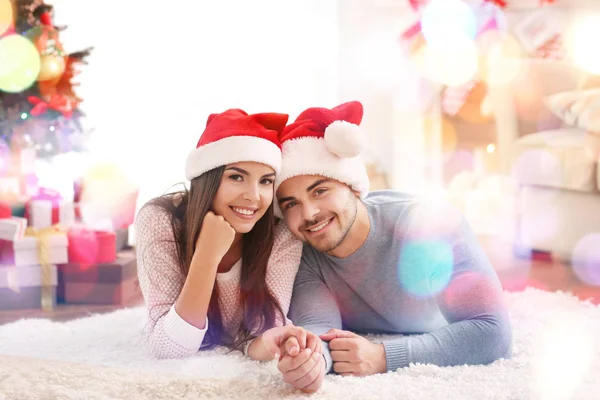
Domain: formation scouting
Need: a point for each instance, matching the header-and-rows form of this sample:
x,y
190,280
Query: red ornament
x,y
57,103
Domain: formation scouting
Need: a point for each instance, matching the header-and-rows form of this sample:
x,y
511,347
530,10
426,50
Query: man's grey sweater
x,y
420,272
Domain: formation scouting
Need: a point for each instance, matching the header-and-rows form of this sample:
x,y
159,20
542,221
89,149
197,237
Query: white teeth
x,y
319,227
243,211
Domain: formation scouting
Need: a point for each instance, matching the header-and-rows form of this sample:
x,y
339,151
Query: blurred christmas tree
x,y
38,104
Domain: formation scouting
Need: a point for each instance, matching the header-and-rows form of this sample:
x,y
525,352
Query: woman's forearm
x,y
192,303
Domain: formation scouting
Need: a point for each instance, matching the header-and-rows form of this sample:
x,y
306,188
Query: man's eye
x,y
320,191
289,205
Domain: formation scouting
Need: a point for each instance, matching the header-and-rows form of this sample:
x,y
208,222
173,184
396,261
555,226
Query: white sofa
x,y
556,168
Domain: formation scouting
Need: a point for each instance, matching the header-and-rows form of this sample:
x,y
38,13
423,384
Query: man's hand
x,y
304,371
268,346
354,355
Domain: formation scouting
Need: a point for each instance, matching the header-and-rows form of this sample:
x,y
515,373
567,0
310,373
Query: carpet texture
x,y
556,356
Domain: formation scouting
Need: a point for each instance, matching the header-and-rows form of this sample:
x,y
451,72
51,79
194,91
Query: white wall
x,y
159,68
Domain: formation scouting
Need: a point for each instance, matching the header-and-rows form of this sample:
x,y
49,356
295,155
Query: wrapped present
x,y
5,210
19,206
106,283
87,246
122,239
36,247
47,208
29,287
44,213
12,228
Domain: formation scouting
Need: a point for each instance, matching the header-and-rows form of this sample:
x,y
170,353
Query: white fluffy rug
x,y
556,356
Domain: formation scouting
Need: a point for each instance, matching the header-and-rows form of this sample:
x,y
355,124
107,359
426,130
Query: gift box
x,y
21,287
12,228
5,210
107,283
88,246
122,239
44,213
35,250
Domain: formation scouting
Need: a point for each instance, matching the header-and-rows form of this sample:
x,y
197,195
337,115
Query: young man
x,y
382,262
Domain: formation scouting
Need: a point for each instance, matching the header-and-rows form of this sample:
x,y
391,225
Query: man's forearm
x,y
472,342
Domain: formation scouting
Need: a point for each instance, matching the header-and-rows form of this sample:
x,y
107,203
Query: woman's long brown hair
x,y
259,306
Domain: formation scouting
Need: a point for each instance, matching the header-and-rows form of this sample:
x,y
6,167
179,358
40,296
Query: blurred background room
x,y
492,105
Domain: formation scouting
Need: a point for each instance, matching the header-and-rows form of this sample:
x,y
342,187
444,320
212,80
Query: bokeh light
x,y
6,15
425,267
108,197
20,64
586,259
586,34
471,111
558,369
445,21
451,65
501,51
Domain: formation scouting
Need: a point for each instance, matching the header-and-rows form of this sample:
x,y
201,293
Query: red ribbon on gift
x,y
57,103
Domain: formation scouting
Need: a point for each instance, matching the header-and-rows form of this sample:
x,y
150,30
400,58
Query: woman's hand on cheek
x,y
216,237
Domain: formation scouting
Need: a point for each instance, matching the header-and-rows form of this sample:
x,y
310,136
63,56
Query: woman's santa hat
x,y
234,136
327,143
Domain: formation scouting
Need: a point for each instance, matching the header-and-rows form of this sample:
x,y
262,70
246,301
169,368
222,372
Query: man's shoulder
x,y
390,204
413,211
388,196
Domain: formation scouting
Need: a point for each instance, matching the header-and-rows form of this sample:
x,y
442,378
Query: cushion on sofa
x,y
563,158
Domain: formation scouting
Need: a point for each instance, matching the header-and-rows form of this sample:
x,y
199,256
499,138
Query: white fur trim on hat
x,y
310,156
345,139
231,150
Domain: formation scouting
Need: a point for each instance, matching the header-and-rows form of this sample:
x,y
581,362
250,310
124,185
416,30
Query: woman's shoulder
x,y
285,241
151,211
154,220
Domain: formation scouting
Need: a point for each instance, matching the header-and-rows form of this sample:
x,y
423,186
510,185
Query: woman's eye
x,y
267,181
236,177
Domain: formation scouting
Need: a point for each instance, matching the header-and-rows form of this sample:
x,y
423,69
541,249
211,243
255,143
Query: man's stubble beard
x,y
349,214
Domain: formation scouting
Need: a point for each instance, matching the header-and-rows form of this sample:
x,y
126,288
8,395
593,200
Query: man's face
x,y
318,210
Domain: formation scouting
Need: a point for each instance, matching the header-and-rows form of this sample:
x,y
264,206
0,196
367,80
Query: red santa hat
x,y
234,136
327,143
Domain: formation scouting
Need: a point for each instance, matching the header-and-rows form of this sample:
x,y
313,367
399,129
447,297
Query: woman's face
x,y
245,194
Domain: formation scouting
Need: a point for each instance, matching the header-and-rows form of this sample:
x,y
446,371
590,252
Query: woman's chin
x,y
243,227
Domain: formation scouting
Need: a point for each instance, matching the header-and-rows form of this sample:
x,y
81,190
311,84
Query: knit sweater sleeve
x,y
168,335
283,267
468,293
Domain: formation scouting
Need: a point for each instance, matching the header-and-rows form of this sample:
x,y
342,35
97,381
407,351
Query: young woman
x,y
214,266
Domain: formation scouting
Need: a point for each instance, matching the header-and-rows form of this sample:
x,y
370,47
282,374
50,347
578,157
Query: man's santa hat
x,y
234,136
327,143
